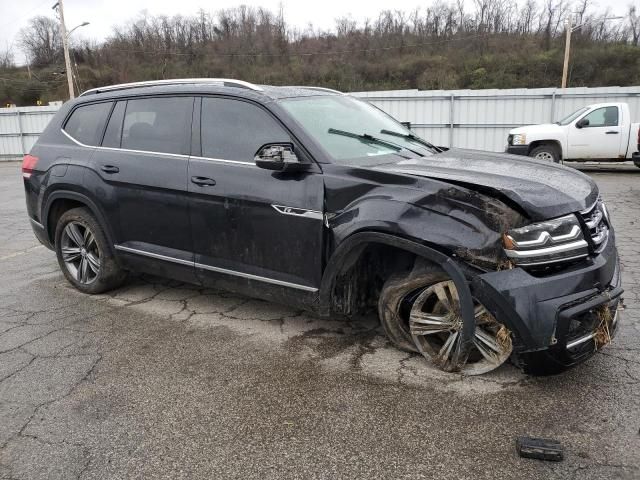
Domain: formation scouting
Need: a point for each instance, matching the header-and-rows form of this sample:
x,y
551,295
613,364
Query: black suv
x,y
313,198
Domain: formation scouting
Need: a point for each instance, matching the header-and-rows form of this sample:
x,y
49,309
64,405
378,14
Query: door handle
x,y
203,181
109,169
611,132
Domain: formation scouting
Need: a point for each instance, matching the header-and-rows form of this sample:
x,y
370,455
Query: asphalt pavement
x,y
166,380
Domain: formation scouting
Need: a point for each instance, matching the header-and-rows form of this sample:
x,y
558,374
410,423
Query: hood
x,y
533,129
542,190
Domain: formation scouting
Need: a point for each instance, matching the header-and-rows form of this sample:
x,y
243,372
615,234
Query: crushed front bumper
x,y
556,320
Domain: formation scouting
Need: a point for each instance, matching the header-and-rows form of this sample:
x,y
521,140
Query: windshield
x,y
568,119
350,130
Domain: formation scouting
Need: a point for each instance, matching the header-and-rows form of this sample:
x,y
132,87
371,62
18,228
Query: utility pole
x,y
567,47
65,47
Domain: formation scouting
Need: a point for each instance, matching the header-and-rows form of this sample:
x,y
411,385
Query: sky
x,y
104,14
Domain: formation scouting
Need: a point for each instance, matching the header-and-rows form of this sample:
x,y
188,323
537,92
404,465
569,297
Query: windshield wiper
x,y
366,138
411,136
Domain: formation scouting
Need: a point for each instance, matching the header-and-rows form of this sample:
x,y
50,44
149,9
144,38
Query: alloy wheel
x,y
80,252
435,323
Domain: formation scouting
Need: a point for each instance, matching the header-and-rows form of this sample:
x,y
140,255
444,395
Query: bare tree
x,y
6,59
41,40
634,25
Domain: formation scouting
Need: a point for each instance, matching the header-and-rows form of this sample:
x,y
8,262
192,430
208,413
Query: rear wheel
x,y
84,255
420,311
546,153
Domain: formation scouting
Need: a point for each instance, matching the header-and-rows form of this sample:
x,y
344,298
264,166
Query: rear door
x,y
141,168
601,138
253,228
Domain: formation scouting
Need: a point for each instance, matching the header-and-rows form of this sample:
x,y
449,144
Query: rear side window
x,y
160,124
235,130
86,123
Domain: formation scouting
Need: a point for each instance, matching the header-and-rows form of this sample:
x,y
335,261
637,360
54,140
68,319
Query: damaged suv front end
x,y
562,289
471,256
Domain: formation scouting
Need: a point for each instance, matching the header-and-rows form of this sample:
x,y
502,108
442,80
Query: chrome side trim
x,y
215,269
298,212
580,340
256,277
178,81
546,251
154,255
113,149
544,238
222,160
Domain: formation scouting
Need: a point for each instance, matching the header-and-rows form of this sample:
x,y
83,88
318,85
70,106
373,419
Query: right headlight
x,y
548,242
519,139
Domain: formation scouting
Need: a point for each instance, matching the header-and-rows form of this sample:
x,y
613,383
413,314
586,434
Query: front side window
x,y
160,124
86,123
570,118
603,117
235,130
339,124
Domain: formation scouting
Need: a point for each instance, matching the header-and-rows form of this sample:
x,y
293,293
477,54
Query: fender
x,y
353,245
80,197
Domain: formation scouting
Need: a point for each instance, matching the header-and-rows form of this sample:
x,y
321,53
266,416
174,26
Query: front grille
x,y
597,223
510,139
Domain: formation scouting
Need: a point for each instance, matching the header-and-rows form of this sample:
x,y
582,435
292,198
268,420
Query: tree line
x,y
451,44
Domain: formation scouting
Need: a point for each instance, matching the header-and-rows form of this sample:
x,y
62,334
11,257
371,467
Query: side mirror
x,y
279,157
583,122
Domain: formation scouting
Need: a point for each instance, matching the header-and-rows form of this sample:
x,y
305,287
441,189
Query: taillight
x,y
639,139
28,165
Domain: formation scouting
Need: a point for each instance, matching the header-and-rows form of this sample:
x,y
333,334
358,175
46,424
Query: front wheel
x,y
546,153
84,255
420,311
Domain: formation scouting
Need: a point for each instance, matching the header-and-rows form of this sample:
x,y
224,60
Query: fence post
x,y
553,105
20,132
451,121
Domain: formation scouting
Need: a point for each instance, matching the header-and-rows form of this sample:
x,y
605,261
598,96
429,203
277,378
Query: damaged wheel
x,y
425,309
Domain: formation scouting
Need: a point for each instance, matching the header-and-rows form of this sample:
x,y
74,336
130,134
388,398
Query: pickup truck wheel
x,y
546,153
423,309
84,254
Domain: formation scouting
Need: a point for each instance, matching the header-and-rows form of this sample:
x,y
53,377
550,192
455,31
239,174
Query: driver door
x,y
255,230
599,138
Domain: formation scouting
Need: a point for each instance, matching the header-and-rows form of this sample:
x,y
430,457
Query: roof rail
x,y
320,89
227,82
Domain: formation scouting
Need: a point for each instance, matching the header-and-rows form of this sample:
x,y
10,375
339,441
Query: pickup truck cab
x,y
600,131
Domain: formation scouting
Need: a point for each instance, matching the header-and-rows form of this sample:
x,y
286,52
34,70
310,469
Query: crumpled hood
x,y
543,128
543,190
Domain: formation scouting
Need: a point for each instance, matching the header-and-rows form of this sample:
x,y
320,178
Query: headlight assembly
x,y
519,139
546,242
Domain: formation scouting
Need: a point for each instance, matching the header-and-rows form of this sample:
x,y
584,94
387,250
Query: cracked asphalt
x,y
165,380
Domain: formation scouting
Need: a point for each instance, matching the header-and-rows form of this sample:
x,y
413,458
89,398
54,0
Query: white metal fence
x,y
481,119
477,119
20,128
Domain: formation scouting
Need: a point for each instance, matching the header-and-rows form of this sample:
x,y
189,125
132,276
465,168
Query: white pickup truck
x,y
601,131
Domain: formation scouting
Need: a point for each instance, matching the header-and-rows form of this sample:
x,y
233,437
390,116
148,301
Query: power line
x,y
29,12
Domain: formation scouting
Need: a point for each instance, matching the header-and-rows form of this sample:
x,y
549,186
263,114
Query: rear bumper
x,y
554,319
518,149
636,158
